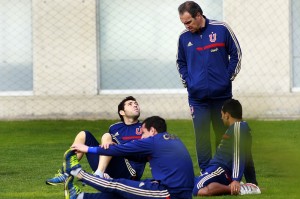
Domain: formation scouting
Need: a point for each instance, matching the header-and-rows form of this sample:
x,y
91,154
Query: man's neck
x,y
233,120
129,121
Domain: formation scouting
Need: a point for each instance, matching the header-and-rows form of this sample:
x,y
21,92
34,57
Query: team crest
x,y
213,37
138,131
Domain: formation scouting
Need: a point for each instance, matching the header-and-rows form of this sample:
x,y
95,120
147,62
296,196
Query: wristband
x,y
92,150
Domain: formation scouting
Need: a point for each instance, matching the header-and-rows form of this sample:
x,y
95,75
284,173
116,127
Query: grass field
x,y
32,151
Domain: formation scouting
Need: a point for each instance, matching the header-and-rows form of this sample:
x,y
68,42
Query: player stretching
x,y
170,163
227,166
119,133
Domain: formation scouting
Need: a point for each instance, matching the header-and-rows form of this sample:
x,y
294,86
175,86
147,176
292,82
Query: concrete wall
x,y
263,85
65,48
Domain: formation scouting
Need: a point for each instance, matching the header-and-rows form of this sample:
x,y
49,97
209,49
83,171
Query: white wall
x,y
65,48
263,85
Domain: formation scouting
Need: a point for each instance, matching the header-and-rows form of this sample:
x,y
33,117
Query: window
x,y
296,44
15,46
138,43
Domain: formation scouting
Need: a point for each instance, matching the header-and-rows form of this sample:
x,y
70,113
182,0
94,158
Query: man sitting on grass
x,y
226,168
119,133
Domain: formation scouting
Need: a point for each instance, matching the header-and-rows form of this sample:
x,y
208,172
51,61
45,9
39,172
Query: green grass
x,y
32,151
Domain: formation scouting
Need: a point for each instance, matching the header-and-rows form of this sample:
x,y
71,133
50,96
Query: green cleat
x,y
70,161
71,190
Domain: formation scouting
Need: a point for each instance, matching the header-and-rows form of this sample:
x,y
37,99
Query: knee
x,y
82,133
80,137
106,138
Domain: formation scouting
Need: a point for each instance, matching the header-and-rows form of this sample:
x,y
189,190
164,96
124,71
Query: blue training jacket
x,y
209,60
169,160
231,153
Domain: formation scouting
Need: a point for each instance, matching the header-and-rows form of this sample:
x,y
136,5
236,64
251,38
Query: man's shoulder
x,y
244,126
240,127
216,23
185,33
116,125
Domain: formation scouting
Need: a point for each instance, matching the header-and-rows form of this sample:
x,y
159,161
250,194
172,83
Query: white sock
x,y
80,196
75,172
99,173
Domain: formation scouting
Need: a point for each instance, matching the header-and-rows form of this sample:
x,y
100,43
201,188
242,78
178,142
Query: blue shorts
x,y
211,174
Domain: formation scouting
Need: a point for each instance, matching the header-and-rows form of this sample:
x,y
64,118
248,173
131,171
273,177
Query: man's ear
x,y
227,115
153,131
122,112
198,15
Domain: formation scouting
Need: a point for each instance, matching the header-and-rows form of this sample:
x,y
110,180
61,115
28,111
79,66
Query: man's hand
x,y
80,148
106,145
235,187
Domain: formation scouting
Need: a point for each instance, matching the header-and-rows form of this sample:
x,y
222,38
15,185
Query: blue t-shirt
x,y
121,134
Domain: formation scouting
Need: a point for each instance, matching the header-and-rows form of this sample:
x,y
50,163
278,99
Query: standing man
x,y
226,169
208,59
170,162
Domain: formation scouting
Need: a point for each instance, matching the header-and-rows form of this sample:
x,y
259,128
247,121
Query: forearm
x,y
102,151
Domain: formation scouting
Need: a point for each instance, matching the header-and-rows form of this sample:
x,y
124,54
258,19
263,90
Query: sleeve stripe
x,y
238,66
177,65
236,151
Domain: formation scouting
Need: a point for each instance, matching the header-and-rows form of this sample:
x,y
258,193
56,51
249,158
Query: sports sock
x,y
80,196
75,172
99,173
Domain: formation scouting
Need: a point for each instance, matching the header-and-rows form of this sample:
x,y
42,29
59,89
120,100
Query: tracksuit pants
x,y
124,188
204,113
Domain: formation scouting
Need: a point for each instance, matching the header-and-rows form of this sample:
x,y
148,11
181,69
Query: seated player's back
x,y
171,163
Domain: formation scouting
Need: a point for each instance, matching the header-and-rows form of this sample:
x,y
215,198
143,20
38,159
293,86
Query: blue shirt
x,y
169,159
231,153
121,134
208,60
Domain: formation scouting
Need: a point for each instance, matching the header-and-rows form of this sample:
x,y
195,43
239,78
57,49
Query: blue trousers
x,y
123,188
204,113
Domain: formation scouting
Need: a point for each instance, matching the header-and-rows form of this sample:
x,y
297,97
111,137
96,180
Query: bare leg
x,y
104,160
80,139
214,189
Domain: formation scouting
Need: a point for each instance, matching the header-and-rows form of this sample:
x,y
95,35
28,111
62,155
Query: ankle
x,y
75,172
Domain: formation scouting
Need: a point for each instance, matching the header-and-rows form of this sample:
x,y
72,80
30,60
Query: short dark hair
x,y
191,7
156,122
122,105
234,108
